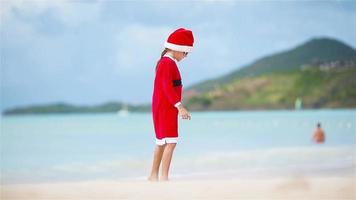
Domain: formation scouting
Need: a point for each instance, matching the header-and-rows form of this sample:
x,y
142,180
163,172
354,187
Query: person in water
x,y
319,135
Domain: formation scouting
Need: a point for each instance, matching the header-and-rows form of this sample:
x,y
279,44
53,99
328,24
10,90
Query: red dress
x,y
167,93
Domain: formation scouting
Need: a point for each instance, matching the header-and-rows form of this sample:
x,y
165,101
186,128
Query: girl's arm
x,y
183,112
167,83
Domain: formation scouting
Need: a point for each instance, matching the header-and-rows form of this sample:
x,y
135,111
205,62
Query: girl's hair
x,y
162,54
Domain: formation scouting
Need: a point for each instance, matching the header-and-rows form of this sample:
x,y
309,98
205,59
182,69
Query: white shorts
x,y
166,140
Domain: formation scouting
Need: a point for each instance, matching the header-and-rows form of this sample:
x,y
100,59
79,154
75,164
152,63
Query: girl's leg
x,y
156,162
166,160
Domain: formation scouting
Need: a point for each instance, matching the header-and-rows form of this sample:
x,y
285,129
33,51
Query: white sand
x,y
281,188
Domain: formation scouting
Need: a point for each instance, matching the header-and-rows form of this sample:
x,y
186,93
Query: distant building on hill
x,y
329,65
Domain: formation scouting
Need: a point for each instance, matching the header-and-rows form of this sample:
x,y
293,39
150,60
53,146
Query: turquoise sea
x,y
75,147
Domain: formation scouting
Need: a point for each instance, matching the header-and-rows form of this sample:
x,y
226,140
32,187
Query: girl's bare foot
x,y
164,179
153,178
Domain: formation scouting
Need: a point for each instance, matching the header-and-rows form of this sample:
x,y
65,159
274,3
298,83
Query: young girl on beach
x,y
166,100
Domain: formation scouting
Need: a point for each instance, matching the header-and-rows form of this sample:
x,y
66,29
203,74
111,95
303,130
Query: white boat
x,y
124,111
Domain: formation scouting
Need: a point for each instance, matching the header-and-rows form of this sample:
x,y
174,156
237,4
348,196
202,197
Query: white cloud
x,y
70,13
139,46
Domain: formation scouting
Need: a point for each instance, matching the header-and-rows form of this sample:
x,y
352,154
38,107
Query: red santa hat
x,y
180,40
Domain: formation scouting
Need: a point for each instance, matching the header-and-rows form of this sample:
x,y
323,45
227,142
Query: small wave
x,y
244,163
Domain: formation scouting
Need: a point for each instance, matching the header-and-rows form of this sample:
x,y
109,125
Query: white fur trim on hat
x,y
177,47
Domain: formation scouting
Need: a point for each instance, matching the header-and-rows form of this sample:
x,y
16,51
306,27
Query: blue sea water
x,y
72,147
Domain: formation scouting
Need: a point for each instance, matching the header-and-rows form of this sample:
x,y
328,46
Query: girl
x,y
166,100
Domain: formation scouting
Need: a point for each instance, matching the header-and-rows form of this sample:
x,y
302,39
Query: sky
x,y
93,52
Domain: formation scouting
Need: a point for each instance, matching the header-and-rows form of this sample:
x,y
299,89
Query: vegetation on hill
x,y
316,88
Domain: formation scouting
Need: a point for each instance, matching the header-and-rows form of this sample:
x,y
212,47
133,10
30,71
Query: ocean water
x,y
75,147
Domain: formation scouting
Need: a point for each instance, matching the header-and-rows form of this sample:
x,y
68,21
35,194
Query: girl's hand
x,y
183,112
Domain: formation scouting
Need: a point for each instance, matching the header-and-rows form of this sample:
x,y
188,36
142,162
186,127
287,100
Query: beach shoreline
x,y
257,188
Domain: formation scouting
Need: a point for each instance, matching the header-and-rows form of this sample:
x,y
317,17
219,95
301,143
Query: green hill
x,y
321,72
